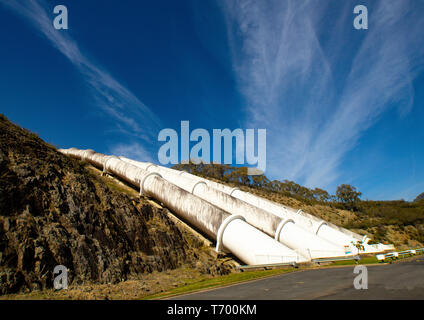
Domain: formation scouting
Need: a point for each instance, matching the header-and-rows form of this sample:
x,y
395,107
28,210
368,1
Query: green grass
x,y
364,260
221,281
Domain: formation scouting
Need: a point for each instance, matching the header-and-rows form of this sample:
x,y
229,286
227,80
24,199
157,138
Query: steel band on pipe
x,y
150,165
144,179
87,153
105,164
319,226
365,239
196,184
222,227
233,189
280,227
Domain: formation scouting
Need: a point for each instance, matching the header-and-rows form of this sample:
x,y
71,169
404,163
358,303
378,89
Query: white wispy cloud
x,y
314,114
134,151
111,96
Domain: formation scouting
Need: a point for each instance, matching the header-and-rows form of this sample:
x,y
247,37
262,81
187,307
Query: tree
x,y
321,195
359,246
348,195
259,181
419,197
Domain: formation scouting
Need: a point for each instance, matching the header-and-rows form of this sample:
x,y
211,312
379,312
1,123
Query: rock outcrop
x,y
54,212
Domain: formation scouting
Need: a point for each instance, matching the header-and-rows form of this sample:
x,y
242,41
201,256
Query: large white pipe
x,y
336,235
282,229
230,231
325,230
257,252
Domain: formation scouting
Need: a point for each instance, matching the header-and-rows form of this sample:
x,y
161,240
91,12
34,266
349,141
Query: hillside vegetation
x,y
398,222
419,197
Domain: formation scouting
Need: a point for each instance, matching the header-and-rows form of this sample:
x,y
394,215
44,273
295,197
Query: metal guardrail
x,y
266,266
320,254
395,255
380,257
407,252
334,259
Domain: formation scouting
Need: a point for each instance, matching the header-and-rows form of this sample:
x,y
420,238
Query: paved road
x,y
403,280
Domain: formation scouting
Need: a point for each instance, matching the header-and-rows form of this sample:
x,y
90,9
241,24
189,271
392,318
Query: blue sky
x,y
340,105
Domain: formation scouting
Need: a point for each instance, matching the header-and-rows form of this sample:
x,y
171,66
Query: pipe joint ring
x,y
319,226
150,165
222,227
196,184
233,189
105,164
86,153
144,179
280,227
365,240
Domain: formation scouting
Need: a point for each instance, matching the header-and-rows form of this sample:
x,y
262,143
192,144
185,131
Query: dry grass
x,y
134,289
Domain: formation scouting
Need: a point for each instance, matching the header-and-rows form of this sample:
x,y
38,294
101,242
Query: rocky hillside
x,y
53,211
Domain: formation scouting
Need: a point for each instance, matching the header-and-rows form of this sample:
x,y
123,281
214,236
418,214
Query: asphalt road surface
x,y
402,280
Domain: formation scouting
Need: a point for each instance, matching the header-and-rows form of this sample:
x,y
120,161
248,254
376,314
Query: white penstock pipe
x,y
339,236
284,230
230,231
